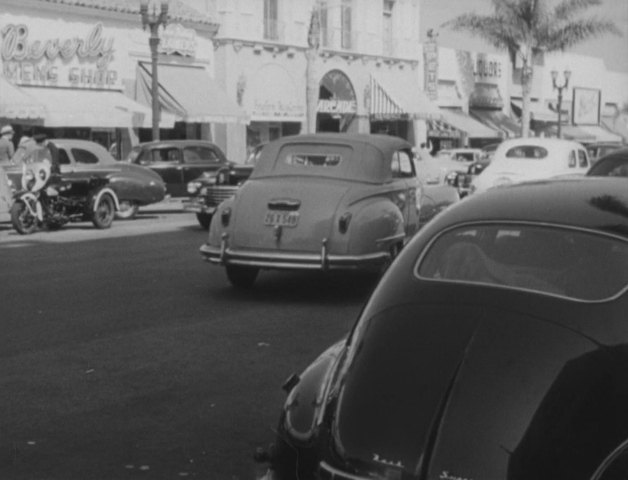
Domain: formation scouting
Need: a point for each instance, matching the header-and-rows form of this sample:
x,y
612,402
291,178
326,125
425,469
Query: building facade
x,y
83,69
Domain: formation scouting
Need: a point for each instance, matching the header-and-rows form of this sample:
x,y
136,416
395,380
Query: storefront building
x,y
84,67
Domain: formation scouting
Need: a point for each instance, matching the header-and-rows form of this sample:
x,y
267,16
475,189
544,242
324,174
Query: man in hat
x,y
7,149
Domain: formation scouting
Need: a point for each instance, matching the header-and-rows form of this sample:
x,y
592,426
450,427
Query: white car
x,y
524,159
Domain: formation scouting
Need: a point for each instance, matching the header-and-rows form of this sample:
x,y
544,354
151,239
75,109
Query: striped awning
x,y
442,129
395,97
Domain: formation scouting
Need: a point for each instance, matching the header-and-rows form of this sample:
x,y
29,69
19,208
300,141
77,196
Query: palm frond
x,y
579,31
568,9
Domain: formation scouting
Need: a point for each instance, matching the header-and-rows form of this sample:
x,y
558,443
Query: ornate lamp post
x,y
154,20
560,87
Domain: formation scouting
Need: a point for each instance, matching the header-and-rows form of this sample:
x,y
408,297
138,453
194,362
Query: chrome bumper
x,y
224,255
197,206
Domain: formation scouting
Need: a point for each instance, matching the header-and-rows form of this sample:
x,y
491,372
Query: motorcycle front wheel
x,y
22,219
104,211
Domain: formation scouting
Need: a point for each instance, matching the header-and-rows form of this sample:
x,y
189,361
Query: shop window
x,y
271,20
84,156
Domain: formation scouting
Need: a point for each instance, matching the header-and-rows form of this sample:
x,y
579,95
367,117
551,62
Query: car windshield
x,y
571,263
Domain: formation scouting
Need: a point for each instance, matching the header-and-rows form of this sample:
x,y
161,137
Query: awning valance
x,y
567,132
538,112
498,120
68,107
189,93
16,104
441,129
395,97
465,123
601,134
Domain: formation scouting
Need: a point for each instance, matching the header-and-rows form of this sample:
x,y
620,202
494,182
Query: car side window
x,y
171,155
582,159
200,154
572,159
527,151
84,156
63,157
401,165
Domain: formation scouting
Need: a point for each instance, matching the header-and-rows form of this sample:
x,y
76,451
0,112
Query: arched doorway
x,y
337,104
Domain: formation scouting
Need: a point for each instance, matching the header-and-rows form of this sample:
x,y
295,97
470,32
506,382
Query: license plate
x,y
282,219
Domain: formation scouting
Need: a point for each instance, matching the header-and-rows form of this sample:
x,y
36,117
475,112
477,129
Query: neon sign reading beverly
x,y
35,62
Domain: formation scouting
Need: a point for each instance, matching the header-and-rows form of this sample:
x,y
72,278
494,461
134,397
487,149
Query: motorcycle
x,y
48,200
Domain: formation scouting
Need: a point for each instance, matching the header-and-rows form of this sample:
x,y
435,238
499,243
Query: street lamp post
x,y
560,87
154,20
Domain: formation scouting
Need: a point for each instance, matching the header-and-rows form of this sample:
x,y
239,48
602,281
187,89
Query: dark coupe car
x,y
178,162
614,164
214,187
495,347
134,185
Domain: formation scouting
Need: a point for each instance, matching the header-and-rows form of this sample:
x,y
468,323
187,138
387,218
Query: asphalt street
x,y
124,355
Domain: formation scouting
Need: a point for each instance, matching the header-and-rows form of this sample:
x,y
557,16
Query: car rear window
x,y
313,159
527,151
576,264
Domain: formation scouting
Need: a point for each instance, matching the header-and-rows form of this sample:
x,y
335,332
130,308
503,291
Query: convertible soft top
x,y
355,157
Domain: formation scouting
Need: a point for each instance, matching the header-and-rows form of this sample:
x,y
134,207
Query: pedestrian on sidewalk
x,y
7,149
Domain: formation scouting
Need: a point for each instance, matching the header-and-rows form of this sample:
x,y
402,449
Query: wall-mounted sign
x,y
75,61
485,68
336,95
430,57
586,106
175,39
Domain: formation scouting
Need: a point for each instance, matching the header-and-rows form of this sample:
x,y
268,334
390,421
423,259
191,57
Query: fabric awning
x,y
600,133
67,107
498,120
16,104
441,129
394,97
465,123
189,93
538,112
568,132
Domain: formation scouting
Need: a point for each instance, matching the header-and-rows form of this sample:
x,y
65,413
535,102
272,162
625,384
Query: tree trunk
x,y
527,73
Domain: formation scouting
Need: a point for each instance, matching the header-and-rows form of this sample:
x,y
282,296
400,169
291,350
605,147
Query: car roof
x,y
554,143
369,162
599,203
176,143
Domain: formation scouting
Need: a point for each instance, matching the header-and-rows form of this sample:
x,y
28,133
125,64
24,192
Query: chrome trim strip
x,y
338,474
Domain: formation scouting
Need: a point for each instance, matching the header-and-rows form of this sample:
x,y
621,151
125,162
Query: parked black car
x,y
494,347
598,150
134,185
210,189
178,162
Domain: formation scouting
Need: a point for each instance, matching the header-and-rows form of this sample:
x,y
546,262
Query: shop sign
x,y
430,57
178,40
485,68
277,109
80,62
335,106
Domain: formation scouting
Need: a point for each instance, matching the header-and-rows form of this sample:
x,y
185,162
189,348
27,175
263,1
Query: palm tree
x,y
528,27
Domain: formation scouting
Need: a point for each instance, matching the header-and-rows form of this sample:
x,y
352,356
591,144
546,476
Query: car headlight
x,y
193,187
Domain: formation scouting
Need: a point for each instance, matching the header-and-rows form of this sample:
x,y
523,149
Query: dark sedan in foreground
x,y
494,347
613,164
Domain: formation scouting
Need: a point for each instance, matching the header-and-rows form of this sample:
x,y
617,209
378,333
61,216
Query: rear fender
x,y
105,191
304,407
374,226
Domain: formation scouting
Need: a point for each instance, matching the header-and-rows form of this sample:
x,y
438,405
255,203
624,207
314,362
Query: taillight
x,y
225,216
343,222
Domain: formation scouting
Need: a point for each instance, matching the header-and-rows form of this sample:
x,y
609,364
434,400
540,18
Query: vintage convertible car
x,y
213,187
320,201
134,185
495,347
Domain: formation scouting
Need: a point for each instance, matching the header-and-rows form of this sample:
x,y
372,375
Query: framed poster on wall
x,y
586,106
